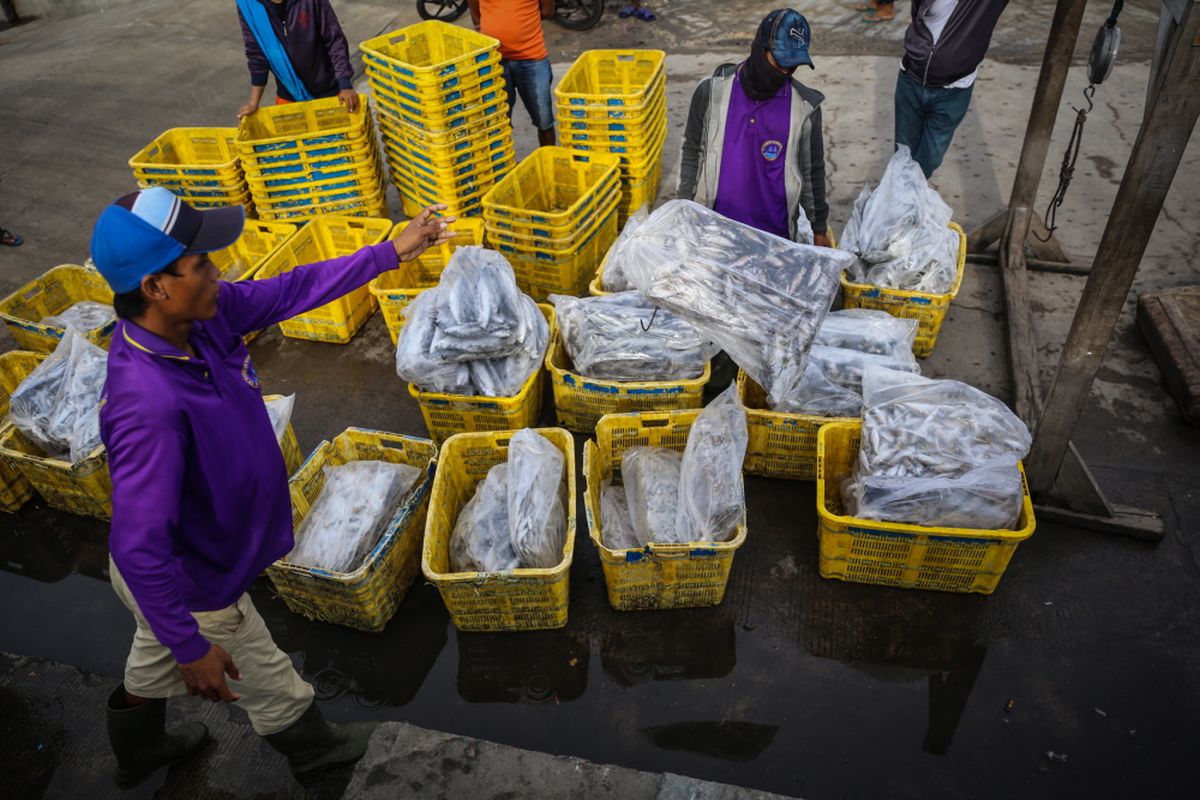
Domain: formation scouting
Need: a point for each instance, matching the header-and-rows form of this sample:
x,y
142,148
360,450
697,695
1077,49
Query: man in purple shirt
x,y
200,492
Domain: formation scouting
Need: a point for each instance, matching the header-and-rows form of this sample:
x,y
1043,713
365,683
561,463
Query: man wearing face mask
x,y
753,148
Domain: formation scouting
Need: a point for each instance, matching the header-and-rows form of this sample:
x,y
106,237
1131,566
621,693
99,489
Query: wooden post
x,y
1157,151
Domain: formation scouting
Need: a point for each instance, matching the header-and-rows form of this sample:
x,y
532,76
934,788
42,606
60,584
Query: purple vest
x,y
752,187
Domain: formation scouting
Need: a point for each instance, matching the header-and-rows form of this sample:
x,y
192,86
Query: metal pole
x,y
1159,148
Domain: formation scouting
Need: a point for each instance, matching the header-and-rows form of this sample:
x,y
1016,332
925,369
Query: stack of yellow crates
x,y
614,101
307,159
554,217
199,164
439,98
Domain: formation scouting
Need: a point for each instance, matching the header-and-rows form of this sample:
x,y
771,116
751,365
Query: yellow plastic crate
x,y
519,600
896,554
552,186
448,414
472,179
446,89
611,78
659,575
317,157
55,291
321,239
372,207
552,246
580,402
635,194
361,170
929,310
187,154
541,275
367,597
497,133
414,199
430,115
288,445
480,112
394,290
585,216
313,124
84,488
203,189
781,445
430,52
259,240
644,113
370,193
15,366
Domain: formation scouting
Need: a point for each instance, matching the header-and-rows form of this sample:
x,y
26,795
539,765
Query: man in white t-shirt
x,y
943,48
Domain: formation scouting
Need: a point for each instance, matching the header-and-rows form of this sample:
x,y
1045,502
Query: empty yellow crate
x,y
367,597
518,600
643,114
15,366
659,575
54,292
552,186
781,445
301,126
611,78
189,153
394,290
896,554
442,91
84,488
259,240
929,310
448,414
543,274
580,402
430,52
321,239
375,206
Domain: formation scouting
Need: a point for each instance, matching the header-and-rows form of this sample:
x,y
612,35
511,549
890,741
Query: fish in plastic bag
x,y
761,298
413,360
651,478
615,520
506,376
712,498
354,509
279,411
478,307
481,541
58,405
614,274
536,520
84,316
620,337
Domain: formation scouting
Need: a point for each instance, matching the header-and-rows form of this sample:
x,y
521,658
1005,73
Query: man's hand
x,y
247,110
424,231
349,98
205,677
822,239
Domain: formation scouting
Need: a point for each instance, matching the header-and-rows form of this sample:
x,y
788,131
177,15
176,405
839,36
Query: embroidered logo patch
x,y
772,149
249,373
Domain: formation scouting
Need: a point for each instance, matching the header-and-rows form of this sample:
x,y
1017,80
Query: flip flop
x,y
645,15
627,11
10,239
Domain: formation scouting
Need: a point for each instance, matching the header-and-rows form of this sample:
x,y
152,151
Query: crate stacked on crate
x,y
15,366
440,100
307,159
200,165
554,217
614,102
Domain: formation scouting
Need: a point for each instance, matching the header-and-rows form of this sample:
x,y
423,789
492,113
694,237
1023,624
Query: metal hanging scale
x,y
1104,51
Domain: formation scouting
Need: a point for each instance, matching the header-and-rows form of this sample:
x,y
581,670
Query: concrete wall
x,y
63,8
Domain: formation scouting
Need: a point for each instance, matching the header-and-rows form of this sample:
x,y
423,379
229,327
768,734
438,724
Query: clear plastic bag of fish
x,y
869,330
415,364
616,525
505,376
620,337
759,297
712,498
354,509
84,316
58,405
940,443
536,519
614,274
279,410
651,478
898,232
481,541
478,307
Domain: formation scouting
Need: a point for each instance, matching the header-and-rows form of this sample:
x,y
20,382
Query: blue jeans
x,y
926,119
532,80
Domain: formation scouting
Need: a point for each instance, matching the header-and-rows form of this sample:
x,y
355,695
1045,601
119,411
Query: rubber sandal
x,y
645,15
10,239
627,11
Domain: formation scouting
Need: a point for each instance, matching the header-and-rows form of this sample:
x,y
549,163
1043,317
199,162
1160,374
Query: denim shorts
x,y
532,80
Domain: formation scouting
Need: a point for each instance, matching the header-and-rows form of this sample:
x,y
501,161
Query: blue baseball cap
x,y
785,32
146,231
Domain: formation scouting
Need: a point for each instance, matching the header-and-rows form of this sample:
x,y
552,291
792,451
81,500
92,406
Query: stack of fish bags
x,y
672,498
898,232
937,453
847,343
759,297
474,333
622,337
84,316
516,519
354,509
58,406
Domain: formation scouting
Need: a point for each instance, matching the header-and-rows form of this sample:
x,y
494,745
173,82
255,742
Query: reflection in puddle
x,y
731,741
55,548
533,667
687,645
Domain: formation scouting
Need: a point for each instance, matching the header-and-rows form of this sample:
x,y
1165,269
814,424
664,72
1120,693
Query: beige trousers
x,y
272,693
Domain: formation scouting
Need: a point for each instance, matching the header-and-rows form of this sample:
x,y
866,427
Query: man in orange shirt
x,y
518,26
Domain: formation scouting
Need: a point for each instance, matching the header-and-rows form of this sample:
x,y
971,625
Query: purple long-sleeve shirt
x,y
314,42
200,490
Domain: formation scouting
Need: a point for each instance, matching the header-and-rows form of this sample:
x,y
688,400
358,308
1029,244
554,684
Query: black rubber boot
x,y
313,746
141,742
